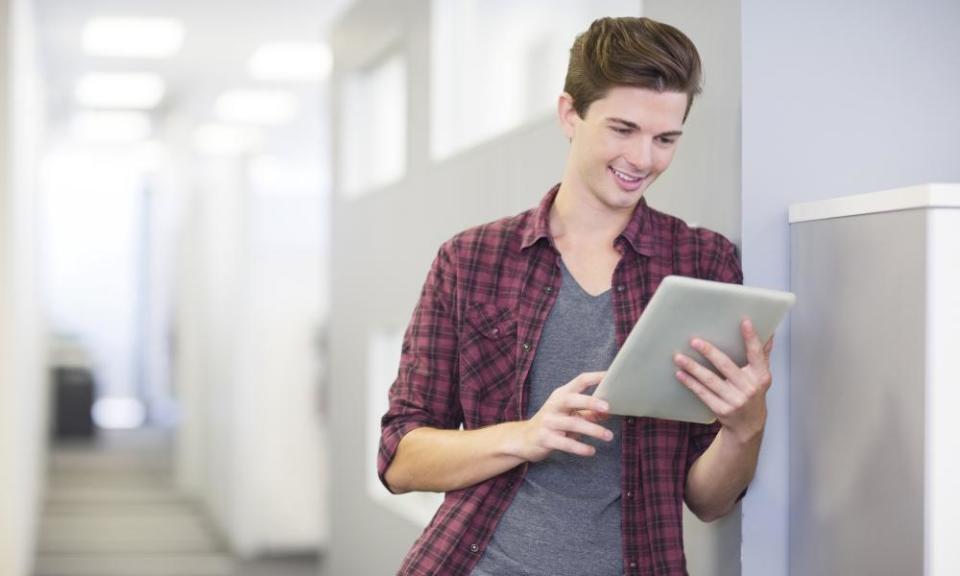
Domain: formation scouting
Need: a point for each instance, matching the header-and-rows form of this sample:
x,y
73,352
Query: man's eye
x,y
621,130
667,140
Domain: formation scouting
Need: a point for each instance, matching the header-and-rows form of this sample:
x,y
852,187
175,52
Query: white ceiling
x,y
220,37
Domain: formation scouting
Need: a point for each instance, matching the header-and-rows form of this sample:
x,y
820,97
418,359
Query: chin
x,y
630,197
623,201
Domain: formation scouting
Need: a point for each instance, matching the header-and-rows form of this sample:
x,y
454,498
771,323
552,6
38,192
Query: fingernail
x,y
677,359
696,343
609,435
748,324
604,407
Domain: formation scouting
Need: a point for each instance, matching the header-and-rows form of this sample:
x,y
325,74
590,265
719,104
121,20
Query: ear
x,y
567,115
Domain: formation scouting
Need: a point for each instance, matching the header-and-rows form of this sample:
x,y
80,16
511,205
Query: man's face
x,y
625,141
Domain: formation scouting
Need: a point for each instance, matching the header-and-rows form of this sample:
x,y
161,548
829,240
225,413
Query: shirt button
x,y
629,494
633,564
630,420
495,331
621,287
526,346
474,548
548,289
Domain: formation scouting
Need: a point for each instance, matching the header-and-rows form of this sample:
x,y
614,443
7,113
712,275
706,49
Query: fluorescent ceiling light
x,y
292,62
133,37
120,90
111,127
265,107
225,140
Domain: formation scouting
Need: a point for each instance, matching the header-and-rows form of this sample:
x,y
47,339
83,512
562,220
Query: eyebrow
x,y
636,126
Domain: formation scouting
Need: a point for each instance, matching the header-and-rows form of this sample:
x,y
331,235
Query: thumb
x,y
585,380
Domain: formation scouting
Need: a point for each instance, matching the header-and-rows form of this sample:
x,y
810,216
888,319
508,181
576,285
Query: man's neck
x,y
582,219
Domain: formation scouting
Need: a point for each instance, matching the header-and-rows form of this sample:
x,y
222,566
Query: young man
x,y
517,317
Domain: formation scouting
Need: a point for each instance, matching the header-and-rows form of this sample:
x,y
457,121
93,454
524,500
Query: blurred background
x,y
216,216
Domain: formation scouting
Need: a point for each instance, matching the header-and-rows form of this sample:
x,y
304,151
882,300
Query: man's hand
x,y
567,415
739,398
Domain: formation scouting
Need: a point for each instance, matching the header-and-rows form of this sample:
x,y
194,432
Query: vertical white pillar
x,y
22,386
9,543
942,467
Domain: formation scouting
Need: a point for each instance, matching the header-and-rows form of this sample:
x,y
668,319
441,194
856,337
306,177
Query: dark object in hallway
x,y
73,402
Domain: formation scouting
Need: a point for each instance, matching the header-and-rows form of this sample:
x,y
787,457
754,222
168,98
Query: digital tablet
x,y
641,380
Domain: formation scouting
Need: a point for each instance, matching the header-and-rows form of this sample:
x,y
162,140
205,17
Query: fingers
x,y
727,367
555,431
716,404
568,412
570,397
577,402
584,381
755,353
736,396
593,415
724,389
567,444
579,425
768,347
566,416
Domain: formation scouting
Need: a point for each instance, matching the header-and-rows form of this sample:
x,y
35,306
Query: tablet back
x,y
641,380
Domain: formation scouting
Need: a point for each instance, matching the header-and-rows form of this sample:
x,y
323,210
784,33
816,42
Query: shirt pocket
x,y
488,363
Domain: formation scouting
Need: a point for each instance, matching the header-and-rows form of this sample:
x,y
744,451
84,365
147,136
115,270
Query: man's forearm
x,y
721,474
434,460
437,460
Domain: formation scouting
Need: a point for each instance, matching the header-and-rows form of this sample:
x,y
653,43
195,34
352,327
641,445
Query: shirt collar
x,y
638,232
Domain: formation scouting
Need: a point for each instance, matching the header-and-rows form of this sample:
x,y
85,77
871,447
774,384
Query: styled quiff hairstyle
x,y
628,51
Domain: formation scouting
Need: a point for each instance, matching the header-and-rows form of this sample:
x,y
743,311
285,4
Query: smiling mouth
x,y
629,178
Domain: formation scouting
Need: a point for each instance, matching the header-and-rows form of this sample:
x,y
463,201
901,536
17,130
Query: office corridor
x,y
112,509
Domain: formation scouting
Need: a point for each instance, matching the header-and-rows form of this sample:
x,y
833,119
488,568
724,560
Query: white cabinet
x,y
875,384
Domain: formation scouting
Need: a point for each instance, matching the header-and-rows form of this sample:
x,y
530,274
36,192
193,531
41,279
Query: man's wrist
x,y
513,439
748,438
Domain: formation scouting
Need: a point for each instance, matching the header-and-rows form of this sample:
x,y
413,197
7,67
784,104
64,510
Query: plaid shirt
x,y
468,350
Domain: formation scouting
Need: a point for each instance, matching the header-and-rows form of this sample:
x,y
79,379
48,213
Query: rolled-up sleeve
x,y
426,391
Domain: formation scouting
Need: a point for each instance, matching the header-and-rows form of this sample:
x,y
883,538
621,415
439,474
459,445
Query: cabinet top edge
x,y
930,195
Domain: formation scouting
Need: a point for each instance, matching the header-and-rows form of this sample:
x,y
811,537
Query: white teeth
x,y
627,177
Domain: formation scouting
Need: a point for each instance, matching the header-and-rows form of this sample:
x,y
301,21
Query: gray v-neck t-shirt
x,y
565,518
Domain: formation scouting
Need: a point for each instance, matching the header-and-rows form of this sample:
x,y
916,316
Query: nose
x,y
640,154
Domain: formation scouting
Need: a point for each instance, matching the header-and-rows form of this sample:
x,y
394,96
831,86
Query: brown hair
x,y
637,52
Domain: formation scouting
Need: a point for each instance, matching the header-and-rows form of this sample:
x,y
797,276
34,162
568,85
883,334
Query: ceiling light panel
x,y
292,62
133,37
110,127
137,90
263,107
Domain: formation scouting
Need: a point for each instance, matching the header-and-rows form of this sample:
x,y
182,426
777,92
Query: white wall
x,y
839,98
155,361
23,385
248,306
282,433
220,249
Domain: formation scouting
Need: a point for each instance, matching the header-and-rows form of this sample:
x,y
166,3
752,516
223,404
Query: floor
x,y
112,509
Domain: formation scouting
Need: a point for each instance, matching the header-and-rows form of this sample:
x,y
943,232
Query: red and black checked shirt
x,y
468,350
